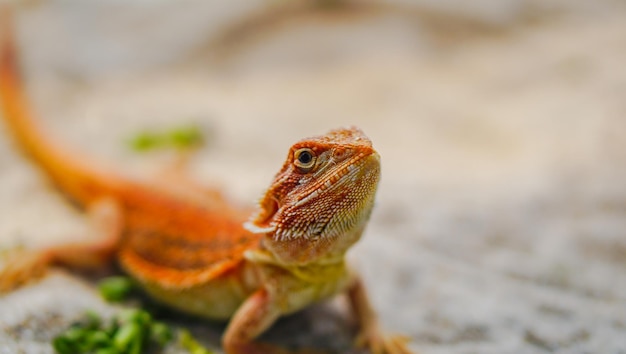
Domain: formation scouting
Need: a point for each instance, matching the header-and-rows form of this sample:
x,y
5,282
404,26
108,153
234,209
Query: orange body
x,y
192,250
168,240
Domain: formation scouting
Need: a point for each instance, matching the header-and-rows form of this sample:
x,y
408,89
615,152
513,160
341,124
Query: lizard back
x,y
168,237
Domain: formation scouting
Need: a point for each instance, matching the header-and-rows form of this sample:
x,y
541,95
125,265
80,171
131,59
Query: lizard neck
x,y
319,271
307,251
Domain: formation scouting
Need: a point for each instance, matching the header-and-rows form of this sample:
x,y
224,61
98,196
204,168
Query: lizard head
x,y
319,202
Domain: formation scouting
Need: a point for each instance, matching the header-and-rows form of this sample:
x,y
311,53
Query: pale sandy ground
x,y
501,217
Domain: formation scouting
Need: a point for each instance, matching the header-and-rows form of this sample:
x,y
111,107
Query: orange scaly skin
x,y
194,253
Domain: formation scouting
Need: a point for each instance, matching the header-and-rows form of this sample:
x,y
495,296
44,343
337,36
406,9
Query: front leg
x,y
254,316
370,335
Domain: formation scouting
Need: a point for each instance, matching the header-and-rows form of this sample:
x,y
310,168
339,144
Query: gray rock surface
x,y
500,225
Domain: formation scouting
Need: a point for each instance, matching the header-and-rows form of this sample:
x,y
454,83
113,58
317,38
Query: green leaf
x,y
186,137
127,336
146,141
188,342
93,320
137,316
98,339
131,331
115,289
63,345
109,350
160,333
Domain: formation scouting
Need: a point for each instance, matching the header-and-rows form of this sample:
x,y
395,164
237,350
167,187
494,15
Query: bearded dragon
x,y
197,253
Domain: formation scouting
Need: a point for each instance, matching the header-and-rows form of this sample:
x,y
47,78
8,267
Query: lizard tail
x,y
81,182
14,105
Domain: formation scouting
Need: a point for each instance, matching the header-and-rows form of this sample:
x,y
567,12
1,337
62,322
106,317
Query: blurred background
x,y
500,224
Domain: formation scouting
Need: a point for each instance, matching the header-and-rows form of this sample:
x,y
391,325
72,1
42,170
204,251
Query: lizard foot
x,y
377,343
21,267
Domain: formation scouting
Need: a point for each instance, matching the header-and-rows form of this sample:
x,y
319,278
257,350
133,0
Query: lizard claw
x,y
377,343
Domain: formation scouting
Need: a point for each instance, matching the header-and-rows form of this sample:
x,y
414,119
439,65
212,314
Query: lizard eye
x,y
304,159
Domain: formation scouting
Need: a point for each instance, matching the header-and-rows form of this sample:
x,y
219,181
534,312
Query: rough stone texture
x,y
500,225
